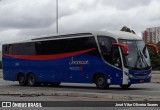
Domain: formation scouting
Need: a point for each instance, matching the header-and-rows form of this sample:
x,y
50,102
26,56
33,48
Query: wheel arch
x,y
30,77
28,73
95,75
20,73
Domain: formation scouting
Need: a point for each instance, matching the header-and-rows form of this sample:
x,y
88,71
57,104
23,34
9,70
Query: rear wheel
x,y
126,86
101,82
21,79
31,80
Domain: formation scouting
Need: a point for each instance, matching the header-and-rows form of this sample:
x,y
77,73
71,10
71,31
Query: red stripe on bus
x,y
49,57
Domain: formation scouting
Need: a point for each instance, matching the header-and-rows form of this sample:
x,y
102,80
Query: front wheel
x,y
125,86
31,80
101,82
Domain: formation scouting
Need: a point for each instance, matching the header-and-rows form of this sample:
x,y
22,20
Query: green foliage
x,y
0,64
126,29
155,59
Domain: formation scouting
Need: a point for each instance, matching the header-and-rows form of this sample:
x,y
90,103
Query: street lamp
x,y
57,16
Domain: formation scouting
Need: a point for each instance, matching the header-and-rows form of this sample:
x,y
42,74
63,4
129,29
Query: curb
x,y
107,96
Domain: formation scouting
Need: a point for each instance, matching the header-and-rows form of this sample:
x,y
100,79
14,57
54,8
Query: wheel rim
x,y
100,82
21,79
31,80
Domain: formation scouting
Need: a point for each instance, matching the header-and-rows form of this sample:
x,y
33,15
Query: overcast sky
x,y
25,19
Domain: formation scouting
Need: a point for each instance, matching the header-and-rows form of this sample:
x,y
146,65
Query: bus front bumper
x,y
139,80
136,76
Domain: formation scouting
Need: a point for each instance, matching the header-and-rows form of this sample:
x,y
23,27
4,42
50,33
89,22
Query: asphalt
x,y
155,76
70,91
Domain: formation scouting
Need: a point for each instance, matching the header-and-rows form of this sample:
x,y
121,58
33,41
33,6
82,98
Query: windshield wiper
x,y
143,59
138,60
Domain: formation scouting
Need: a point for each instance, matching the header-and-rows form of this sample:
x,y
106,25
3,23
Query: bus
x,y
104,58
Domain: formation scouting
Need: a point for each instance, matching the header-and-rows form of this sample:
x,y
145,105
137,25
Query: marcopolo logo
x,y
78,62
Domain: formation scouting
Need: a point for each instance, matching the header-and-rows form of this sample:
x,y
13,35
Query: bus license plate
x,y
141,81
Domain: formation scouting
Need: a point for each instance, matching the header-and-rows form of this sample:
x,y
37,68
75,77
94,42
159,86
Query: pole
x,y
57,16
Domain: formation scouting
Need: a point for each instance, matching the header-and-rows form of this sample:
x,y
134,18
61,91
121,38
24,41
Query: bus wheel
x,y
126,86
101,82
56,84
31,80
21,79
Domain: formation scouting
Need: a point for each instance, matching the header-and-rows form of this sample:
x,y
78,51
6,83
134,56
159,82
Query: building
x,y
0,55
151,34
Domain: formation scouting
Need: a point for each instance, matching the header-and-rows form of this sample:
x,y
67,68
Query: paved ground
x,y
72,100
156,78
149,91
11,91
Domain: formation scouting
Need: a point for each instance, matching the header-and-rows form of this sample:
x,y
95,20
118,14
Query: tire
x,y
21,79
31,80
56,84
125,86
101,82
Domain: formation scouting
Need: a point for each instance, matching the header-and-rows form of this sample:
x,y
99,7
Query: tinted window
x,y
54,46
78,44
51,47
23,48
7,49
65,46
109,52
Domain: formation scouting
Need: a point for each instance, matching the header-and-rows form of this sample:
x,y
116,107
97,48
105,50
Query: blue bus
x,y
104,58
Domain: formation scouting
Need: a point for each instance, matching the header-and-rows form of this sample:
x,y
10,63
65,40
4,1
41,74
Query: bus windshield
x,y
138,57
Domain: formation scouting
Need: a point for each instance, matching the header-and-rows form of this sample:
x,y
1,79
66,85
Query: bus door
x,y
117,74
112,58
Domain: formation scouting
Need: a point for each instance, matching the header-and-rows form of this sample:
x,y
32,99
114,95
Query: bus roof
x,y
114,34
120,35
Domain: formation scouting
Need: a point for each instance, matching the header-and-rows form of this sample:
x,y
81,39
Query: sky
x,y
26,19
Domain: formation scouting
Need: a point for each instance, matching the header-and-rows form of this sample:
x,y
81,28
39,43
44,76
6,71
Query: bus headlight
x,y
126,73
149,75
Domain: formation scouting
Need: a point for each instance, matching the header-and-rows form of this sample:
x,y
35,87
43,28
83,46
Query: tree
x,y
0,64
126,29
155,62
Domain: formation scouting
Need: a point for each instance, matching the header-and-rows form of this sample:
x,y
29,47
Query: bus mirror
x,y
124,46
155,48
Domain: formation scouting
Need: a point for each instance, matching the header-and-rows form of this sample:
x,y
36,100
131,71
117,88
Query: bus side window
x,y
109,52
5,49
105,46
10,49
116,60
